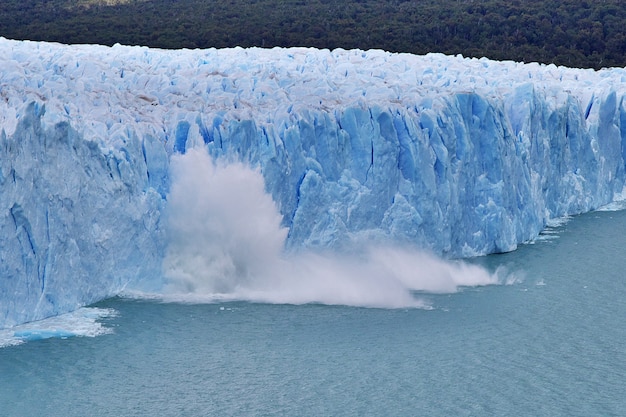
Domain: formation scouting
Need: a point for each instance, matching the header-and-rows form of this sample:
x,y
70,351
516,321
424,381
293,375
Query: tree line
x,y
575,33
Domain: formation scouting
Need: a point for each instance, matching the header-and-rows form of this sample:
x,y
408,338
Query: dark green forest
x,y
576,33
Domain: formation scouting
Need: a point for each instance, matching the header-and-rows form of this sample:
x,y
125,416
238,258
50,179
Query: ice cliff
x,y
460,156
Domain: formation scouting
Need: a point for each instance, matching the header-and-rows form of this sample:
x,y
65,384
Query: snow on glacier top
x,y
102,89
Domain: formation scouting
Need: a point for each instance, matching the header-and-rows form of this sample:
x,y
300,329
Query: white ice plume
x,y
226,243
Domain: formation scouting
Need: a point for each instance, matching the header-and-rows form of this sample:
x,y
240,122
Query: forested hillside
x,y
578,33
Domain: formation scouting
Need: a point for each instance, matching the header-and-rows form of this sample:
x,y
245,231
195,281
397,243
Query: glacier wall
x,y
462,157
78,222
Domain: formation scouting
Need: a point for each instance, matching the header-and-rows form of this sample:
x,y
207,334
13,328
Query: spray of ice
x,y
226,242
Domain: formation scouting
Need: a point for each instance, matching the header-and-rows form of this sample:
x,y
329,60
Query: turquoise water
x,y
551,344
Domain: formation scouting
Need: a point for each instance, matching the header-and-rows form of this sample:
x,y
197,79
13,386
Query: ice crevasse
x,y
459,156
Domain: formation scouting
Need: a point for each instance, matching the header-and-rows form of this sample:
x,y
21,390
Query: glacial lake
x,y
551,342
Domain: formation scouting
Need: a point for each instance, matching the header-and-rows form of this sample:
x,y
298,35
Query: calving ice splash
x,y
365,154
226,242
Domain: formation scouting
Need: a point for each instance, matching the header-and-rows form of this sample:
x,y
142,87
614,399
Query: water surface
x,y
551,344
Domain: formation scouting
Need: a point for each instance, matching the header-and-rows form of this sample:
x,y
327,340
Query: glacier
x,y
460,157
